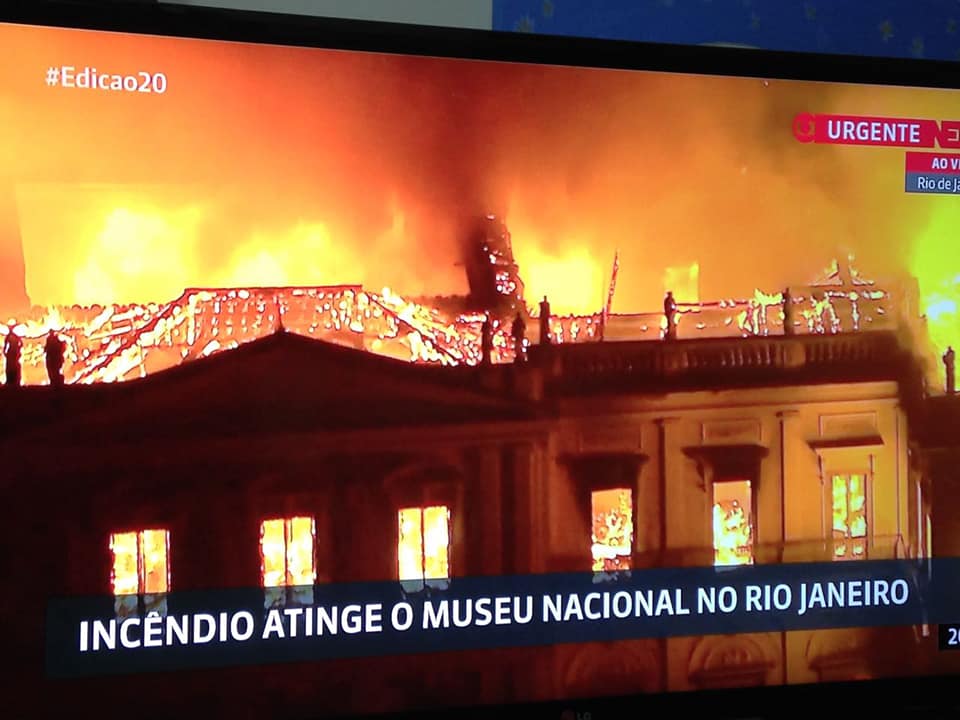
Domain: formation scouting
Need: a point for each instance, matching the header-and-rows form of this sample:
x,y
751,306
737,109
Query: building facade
x,y
290,462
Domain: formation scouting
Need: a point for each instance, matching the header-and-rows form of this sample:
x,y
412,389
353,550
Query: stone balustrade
x,y
722,362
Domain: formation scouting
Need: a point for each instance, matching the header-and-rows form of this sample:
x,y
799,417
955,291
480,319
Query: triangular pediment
x,y
283,381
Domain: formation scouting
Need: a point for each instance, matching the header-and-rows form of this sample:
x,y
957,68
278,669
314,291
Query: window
x,y
287,560
140,577
732,522
423,549
612,534
849,516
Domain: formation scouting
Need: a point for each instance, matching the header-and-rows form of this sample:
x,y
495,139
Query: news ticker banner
x,y
232,627
933,173
876,130
926,172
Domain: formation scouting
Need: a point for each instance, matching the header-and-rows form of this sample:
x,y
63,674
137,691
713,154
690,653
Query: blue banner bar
x,y
933,183
231,627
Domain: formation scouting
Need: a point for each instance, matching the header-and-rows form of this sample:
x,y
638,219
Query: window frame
x,y
751,518
427,483
290,595
606,486
159,599
410,584
845,471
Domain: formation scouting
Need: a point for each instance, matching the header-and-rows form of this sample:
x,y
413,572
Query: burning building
x,y
107,343
247,405
300,446
492,271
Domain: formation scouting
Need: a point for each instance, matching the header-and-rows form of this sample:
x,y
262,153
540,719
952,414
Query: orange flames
x,y
106,343
849,516
612,534
122,342
732,524
287,558
141,569
354,172
423,547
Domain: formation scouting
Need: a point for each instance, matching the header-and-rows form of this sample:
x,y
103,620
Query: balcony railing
x,y
867,355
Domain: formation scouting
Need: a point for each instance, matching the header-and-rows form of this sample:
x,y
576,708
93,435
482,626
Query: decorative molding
x,y
610,440
667,420
839,425
424,482
732,431
600,470
621,666
832,646
719,660
726,461
863,441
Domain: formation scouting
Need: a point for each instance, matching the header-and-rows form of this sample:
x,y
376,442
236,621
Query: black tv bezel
x,y
209,23
917,694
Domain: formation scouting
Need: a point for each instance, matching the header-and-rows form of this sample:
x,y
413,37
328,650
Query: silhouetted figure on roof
x,y
950,367
278,326
12,347
545,338
670,313
788,318
54,349
518,331
486,341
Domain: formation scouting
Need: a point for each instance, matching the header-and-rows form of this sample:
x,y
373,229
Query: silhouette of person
x,y
788,328
519,333
486,341
670,312
12,347
949,365
544,321
54,349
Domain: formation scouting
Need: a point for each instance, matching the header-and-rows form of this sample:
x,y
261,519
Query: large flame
x,y
423,546
141,570
119,342
569,271
288,559
934,263
849,516
357,171
732,523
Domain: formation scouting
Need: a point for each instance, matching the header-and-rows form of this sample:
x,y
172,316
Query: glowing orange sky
x,y
268,165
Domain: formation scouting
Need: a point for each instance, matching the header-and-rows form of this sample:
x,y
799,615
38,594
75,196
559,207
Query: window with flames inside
x,y
423,549
732,523
612,532
849,516
288,561
140,576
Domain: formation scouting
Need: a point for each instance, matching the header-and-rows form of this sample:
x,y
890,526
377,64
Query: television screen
x,y
346,381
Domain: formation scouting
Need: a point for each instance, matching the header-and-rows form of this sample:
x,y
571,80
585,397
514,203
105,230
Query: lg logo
x,y
574,715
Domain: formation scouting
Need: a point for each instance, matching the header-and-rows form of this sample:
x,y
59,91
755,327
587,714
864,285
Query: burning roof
x,y
121,342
